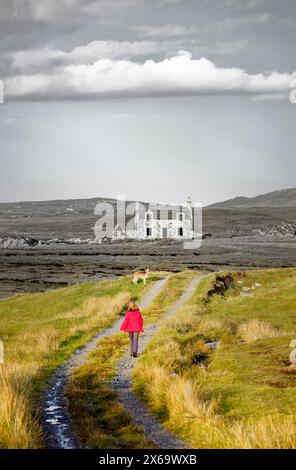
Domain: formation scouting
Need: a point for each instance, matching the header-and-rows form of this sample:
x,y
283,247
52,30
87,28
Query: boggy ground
x,y
37,269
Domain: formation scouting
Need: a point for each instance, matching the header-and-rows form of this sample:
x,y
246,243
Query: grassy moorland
x,y
242,394
39,332
100,421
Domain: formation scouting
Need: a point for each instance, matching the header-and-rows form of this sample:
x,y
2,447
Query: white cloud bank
x,y
174,76
46,59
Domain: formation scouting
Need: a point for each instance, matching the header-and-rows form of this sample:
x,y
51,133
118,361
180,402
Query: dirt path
x,y
122,382
56,421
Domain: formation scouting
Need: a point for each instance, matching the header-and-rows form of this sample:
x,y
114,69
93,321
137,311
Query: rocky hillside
x,y
281,198
72,221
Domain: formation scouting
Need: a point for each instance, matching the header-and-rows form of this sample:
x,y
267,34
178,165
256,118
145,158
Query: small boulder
x,y
206,235
31,241
1,352
256,285
213,344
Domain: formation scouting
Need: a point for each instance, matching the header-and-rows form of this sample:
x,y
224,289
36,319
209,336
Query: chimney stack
x,y
189,206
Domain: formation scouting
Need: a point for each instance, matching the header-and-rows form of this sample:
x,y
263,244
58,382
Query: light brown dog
x,y
141,275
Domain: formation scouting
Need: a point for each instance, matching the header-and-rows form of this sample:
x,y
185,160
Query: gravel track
x,y
122,382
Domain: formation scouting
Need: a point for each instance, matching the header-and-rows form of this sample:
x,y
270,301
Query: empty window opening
x,y
148,231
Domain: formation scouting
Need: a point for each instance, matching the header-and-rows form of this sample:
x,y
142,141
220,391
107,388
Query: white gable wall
x,y
159,227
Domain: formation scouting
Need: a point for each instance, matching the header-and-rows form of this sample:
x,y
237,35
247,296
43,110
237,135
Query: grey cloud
x,y
31,61
165,31
226,112
244,4
58,10
30,10
288,22
240,21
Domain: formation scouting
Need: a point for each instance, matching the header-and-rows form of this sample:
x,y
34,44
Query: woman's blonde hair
x,y
132,306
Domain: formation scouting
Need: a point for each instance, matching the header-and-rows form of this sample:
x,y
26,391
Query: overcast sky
x,y
154,99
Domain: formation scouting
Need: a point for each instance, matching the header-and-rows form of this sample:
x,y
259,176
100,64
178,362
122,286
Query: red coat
x,y
133,321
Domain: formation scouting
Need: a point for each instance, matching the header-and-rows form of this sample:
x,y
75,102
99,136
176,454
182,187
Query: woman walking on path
x,y
133,325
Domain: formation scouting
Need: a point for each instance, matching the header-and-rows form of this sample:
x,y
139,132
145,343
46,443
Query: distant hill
x,y
74,219
282,198
56,219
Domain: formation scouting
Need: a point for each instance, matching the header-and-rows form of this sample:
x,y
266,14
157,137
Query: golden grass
x,y
25,358
106,305
257,329
41,342
177,397
243,396
100,310
270,432
18,428
181,404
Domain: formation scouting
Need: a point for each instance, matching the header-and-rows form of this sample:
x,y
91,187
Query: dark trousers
x,y
134,341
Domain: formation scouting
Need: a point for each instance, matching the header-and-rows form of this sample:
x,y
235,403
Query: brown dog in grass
x,y
141,275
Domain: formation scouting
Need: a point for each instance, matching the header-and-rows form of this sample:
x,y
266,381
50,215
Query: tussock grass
x,y
176,397
182,405
257,329
270,432
92,306
100,310
244,396
39,332
18,429
43,342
